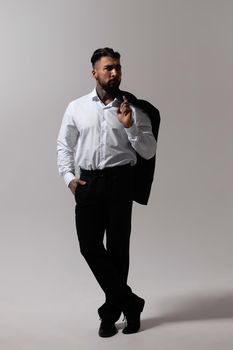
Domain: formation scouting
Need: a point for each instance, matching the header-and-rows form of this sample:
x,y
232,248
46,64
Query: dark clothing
x,y
104,204
144,169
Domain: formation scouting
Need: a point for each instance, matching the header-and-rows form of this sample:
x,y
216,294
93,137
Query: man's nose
x,y
113,72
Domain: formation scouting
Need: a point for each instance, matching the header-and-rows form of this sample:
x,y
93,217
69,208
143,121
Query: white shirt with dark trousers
x,y
91,137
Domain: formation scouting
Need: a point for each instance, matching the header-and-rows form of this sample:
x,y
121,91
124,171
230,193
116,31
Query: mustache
x,y
115,80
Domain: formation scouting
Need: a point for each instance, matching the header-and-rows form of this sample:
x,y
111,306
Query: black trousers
x,y
104,206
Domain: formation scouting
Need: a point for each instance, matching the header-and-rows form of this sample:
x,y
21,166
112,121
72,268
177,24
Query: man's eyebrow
x,y
112,65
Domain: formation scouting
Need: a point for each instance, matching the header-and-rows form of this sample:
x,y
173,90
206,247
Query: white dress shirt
x,y
91,137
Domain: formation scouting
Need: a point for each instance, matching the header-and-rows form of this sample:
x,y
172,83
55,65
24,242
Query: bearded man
x,y
100,137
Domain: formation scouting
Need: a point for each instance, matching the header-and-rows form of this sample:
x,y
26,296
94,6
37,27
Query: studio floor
x,y
169,322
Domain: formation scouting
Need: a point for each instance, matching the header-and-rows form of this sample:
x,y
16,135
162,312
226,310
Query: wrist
x,y
129,124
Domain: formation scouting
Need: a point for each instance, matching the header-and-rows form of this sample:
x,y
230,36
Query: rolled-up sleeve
x,y
140,134
66,146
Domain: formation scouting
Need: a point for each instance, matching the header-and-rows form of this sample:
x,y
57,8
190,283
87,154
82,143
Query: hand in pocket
x,y
75,183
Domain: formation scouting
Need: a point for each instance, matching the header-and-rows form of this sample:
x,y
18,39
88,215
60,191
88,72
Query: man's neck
x,y
105,96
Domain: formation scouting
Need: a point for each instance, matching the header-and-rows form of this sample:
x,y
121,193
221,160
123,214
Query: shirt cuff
x,y
132,132
68,177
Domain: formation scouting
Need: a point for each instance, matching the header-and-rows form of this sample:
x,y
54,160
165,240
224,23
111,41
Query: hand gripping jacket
x,y
143,173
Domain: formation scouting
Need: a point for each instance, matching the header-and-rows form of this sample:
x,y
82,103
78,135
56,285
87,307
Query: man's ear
x,y
94,73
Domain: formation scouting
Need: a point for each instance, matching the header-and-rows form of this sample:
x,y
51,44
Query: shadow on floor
x,y
192,308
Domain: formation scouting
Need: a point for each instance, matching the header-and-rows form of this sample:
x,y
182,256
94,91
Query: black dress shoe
x,y
107,329
132,314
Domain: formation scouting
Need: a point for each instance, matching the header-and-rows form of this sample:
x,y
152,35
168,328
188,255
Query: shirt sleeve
x,y
66,146
140,134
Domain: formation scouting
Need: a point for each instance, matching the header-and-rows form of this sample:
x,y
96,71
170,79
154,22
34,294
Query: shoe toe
x,y
131,328
107,330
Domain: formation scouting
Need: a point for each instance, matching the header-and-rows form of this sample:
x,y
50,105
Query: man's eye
x,y
109,68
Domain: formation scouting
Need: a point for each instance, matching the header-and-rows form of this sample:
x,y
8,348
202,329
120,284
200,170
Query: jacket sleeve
x,y
66,146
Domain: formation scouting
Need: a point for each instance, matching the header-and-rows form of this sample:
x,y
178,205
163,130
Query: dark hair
x,y
106,51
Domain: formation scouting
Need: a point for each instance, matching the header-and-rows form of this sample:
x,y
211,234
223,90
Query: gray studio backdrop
x,y
176,54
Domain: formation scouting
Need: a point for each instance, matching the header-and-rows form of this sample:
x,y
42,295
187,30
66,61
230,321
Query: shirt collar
x,y
95,97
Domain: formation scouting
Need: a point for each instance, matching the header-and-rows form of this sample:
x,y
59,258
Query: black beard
x,y
112,90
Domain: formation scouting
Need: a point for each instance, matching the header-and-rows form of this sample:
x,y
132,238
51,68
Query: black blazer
x,y
143,173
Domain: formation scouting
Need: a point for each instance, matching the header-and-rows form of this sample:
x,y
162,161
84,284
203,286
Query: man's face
x,y
107,72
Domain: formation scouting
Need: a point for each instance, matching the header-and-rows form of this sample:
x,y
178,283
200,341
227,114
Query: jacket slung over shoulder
x,y
144,169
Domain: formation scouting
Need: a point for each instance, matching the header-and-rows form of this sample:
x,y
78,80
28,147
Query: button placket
x,y
103,136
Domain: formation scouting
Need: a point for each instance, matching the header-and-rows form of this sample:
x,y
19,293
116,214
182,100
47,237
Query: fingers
x,y
125,107
125,102
75,183
81,182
